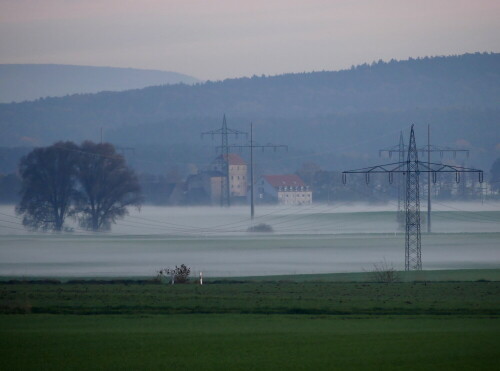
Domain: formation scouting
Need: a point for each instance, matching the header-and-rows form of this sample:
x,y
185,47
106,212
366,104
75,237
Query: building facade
x,y
238,180
288,189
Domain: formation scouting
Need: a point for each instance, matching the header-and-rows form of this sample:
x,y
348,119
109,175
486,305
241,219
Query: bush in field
x,y
384,272
262,227
180,274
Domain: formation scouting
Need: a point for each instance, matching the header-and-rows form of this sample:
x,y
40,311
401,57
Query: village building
x,y
287,189
238,179
205,187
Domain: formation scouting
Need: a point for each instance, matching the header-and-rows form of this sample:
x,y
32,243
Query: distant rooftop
x,y
287,180
234,159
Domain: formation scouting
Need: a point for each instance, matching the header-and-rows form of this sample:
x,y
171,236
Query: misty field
x,y
306,240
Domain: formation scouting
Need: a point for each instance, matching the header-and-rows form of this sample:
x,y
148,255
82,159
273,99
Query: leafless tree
x,y
384,272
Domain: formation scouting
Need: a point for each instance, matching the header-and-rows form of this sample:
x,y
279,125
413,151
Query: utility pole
x,y
252,206
429,179
401,183
224,132
412,169
253,145
402,150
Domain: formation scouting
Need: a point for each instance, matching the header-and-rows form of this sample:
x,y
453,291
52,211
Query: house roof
x,y
234,159
287,180
212,173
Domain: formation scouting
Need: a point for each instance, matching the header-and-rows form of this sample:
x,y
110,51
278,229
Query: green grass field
x,y
247,342
263,323
271,297
457,275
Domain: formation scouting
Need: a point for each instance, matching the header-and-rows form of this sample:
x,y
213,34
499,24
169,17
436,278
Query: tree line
x,y
90,183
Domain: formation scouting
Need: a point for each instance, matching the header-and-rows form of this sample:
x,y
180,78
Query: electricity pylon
x,y
224,132
401,149
412,168
253,145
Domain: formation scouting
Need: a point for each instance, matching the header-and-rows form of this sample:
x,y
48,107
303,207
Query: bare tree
x,y
48,186
108,186
384,272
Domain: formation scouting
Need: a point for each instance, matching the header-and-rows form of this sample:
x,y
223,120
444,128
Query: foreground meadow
x,y
247,342
301,324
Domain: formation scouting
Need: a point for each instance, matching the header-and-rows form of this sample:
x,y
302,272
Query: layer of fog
x,y
307,219
308,239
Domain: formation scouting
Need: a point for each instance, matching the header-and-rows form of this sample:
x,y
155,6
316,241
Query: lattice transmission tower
x,y
412,168
401,149
413,243
224,132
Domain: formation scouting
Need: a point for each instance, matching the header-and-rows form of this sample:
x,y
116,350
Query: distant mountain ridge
x,y
22,82
328,111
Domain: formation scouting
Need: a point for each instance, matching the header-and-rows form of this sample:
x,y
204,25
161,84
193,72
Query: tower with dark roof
x,y
238,179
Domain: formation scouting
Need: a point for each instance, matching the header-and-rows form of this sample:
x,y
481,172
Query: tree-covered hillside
x,y
336,112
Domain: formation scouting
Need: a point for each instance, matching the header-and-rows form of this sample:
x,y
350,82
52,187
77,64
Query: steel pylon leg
x,y
413,244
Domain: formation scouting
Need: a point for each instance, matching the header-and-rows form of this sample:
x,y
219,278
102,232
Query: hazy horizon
x,y
224,39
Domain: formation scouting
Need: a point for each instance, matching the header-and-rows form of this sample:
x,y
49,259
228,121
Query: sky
x,y
218,39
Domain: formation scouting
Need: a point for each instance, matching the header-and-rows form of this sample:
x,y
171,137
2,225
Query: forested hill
x,y
21,82
459,95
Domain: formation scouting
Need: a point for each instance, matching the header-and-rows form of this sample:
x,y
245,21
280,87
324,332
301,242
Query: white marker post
x,y
201,278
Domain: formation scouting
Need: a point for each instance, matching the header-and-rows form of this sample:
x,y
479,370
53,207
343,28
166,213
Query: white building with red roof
x,y
288,189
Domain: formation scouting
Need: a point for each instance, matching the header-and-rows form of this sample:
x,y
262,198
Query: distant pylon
x,y
413,243
253,145
401,185
429,149
224,132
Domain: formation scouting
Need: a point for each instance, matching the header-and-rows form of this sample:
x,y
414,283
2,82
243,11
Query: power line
x,y
224,132
412,169
253,145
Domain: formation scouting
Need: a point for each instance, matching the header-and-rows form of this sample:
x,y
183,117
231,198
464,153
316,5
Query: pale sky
x,y
217,39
